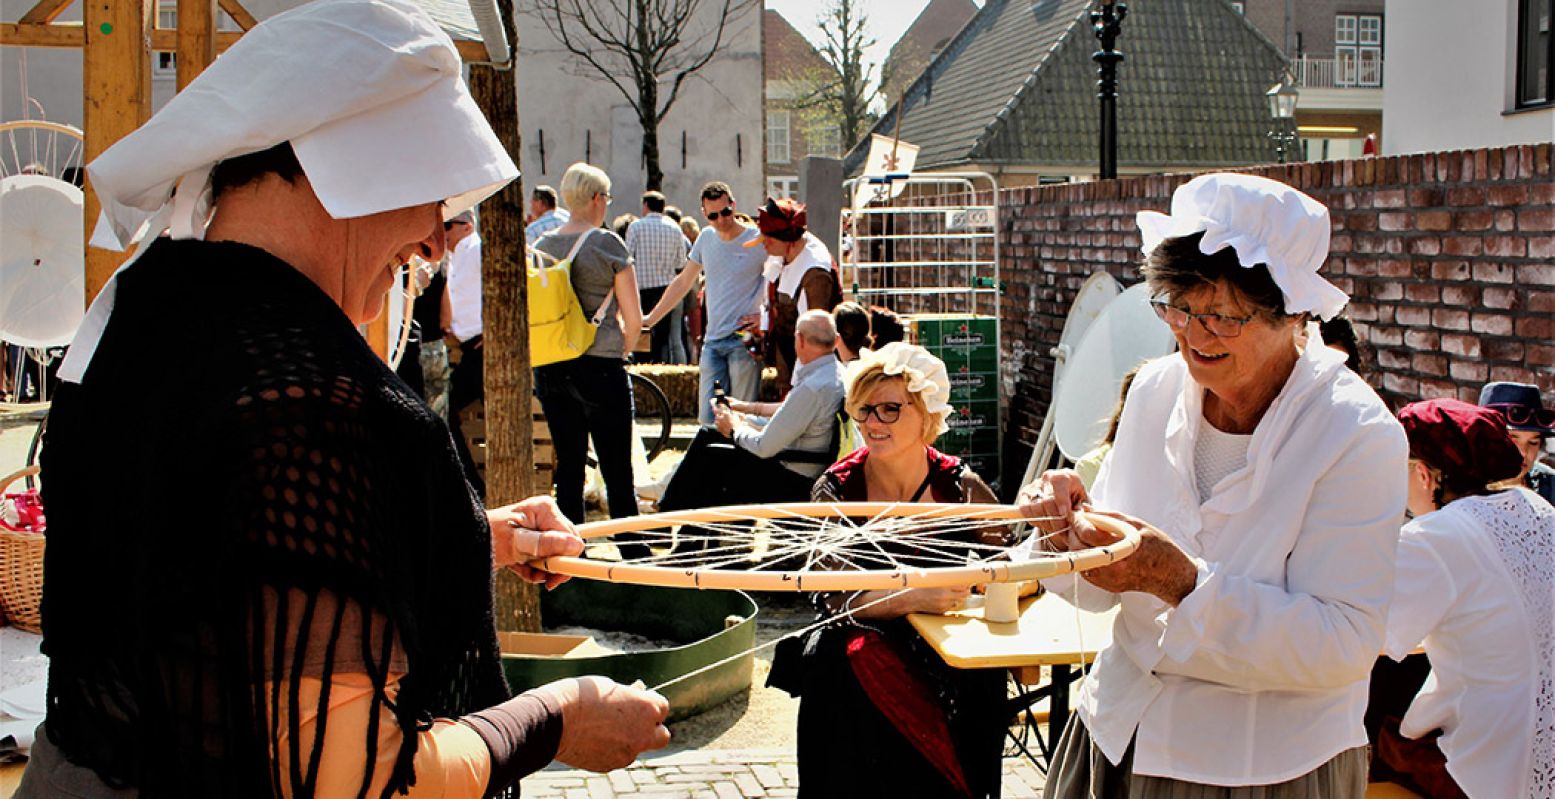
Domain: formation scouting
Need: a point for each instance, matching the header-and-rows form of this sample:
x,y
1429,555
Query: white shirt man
x,y
464,279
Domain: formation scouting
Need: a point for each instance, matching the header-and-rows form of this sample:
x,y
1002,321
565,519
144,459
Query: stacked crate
x,y
969,346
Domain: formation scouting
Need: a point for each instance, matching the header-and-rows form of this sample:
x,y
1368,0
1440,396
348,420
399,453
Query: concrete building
x,y
568,113
1468,75
796,127
1336,48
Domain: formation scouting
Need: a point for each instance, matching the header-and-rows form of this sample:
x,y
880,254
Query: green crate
x,y
954,330
969,386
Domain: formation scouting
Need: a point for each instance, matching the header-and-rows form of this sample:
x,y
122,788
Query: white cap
x,y
1264,222
371,96
924,373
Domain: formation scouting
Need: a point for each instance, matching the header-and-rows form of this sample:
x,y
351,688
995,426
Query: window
x,y
824,140
1241,8
784,186
1357,50
777,136
1535,53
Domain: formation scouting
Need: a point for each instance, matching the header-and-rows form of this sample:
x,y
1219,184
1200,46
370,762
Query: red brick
x,y
1506,221
1466,220
1397,220
1340,244
1386,336
1537,327
1536,219
1465,195
1433,365
1502,349
1501,299
1536,275
1541,302
1423,292
1541,355
1386,291
1460,295
1413,316
1392,198
1392,359
1468,370
1361,267
1450,318
1541,193
1507,195
1505,246
1541,247
1462,245
1437,389
1425,198
1361,311
1450,270
1492,324
1401,384
1459,344
1423,339
1362,221
1424,245
1486,272
1510,374
1394,267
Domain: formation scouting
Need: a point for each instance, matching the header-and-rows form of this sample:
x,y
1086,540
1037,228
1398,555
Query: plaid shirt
x,y
549,221
658,248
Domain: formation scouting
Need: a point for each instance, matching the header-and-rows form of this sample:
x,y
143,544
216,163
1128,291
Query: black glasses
x,y
449,225
1216,324
1524,415
886,412
607,195
726,212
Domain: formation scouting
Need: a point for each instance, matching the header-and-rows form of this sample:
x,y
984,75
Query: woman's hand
x,y
1050,503
606,725
937,600
529,531
1158,567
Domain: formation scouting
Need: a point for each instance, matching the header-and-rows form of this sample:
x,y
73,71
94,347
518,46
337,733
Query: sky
x,y
887,21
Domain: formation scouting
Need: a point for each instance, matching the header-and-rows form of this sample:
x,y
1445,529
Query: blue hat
x,y
1521,404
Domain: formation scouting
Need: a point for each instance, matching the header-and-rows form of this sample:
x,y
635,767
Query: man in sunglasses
x,y
1529,422
735,289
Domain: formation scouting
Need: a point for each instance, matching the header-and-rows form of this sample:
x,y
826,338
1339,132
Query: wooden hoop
x,y
951,576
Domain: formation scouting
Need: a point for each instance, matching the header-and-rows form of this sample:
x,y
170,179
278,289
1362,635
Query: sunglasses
x,y
1524,415
726,212
1216,324
449,225
886,412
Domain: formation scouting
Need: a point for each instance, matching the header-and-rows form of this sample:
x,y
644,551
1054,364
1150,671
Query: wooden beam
x,y
167,41
472,52
44,12
196,38
22,34
116,99
239,14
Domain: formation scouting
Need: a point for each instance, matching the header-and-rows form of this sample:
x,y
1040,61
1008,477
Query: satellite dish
x,y
43,264
1126,333
1095,294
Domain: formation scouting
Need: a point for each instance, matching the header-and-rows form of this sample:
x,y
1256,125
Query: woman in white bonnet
x,y
1266,481
267,574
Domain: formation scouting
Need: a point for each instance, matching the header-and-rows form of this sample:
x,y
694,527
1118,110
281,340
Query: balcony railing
x,y
1346,72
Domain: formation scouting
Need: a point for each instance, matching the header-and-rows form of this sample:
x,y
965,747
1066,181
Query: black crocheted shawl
x,y
235,460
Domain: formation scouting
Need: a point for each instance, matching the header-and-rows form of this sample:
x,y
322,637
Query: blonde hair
x,y
688,226
580,184
871,378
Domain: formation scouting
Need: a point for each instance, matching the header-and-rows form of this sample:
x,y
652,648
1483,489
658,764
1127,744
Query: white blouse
x,y
1476,583
1260,674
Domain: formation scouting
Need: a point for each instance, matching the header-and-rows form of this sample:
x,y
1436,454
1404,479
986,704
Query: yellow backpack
x,y
558,330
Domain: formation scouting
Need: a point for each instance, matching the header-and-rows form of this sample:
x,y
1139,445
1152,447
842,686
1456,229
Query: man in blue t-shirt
x,y
735,290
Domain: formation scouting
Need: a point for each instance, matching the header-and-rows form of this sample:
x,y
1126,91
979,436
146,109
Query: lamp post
x,y
1107,21
1282,107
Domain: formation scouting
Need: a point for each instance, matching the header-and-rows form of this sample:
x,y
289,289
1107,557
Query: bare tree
x,y
509,423
844,39
645,48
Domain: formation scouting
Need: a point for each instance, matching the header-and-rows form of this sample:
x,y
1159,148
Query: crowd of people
x,y
317,619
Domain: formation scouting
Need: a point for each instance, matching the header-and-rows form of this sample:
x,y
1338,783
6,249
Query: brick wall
x,y
1449,259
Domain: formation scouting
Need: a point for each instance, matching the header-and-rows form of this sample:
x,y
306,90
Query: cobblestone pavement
x,y
718,774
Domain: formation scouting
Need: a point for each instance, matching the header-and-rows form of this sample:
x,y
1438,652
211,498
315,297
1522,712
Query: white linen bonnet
x,y
925,376
370,94
1265,222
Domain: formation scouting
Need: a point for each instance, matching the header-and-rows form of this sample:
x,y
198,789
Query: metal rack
x,y
931,253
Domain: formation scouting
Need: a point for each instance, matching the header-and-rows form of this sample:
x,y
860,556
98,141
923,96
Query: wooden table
x,y
1048,633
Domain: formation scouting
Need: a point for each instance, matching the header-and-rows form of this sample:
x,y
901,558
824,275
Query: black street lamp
x,y
1282,107
1107,21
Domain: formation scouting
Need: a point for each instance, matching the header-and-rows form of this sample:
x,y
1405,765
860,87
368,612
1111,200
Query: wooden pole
x,y
510,463
116,99
196,38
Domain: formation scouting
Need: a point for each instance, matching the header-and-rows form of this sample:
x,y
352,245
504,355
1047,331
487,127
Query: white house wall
x,y
1448,78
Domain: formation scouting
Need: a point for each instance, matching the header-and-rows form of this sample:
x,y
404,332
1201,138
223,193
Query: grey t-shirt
x,y
594,271
734,282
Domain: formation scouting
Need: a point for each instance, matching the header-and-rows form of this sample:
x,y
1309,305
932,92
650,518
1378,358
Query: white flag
x,y
888,158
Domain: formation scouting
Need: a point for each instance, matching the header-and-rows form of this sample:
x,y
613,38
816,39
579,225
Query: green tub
x,y
712,625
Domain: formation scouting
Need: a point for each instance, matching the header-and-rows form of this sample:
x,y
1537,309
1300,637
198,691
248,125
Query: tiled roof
x,y
1018,86
786,53
928,33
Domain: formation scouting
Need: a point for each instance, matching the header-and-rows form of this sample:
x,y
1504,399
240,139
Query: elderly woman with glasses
x,y
880,713
1267,482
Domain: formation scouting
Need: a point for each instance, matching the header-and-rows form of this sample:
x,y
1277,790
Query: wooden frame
x,y
952,576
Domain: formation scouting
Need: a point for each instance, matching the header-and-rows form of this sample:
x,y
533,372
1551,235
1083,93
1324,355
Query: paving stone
x,y
769,776
621,781
577,793
749,785
727,790
600,788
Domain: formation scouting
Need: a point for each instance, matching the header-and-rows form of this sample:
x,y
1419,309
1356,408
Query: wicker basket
x,y
21,570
